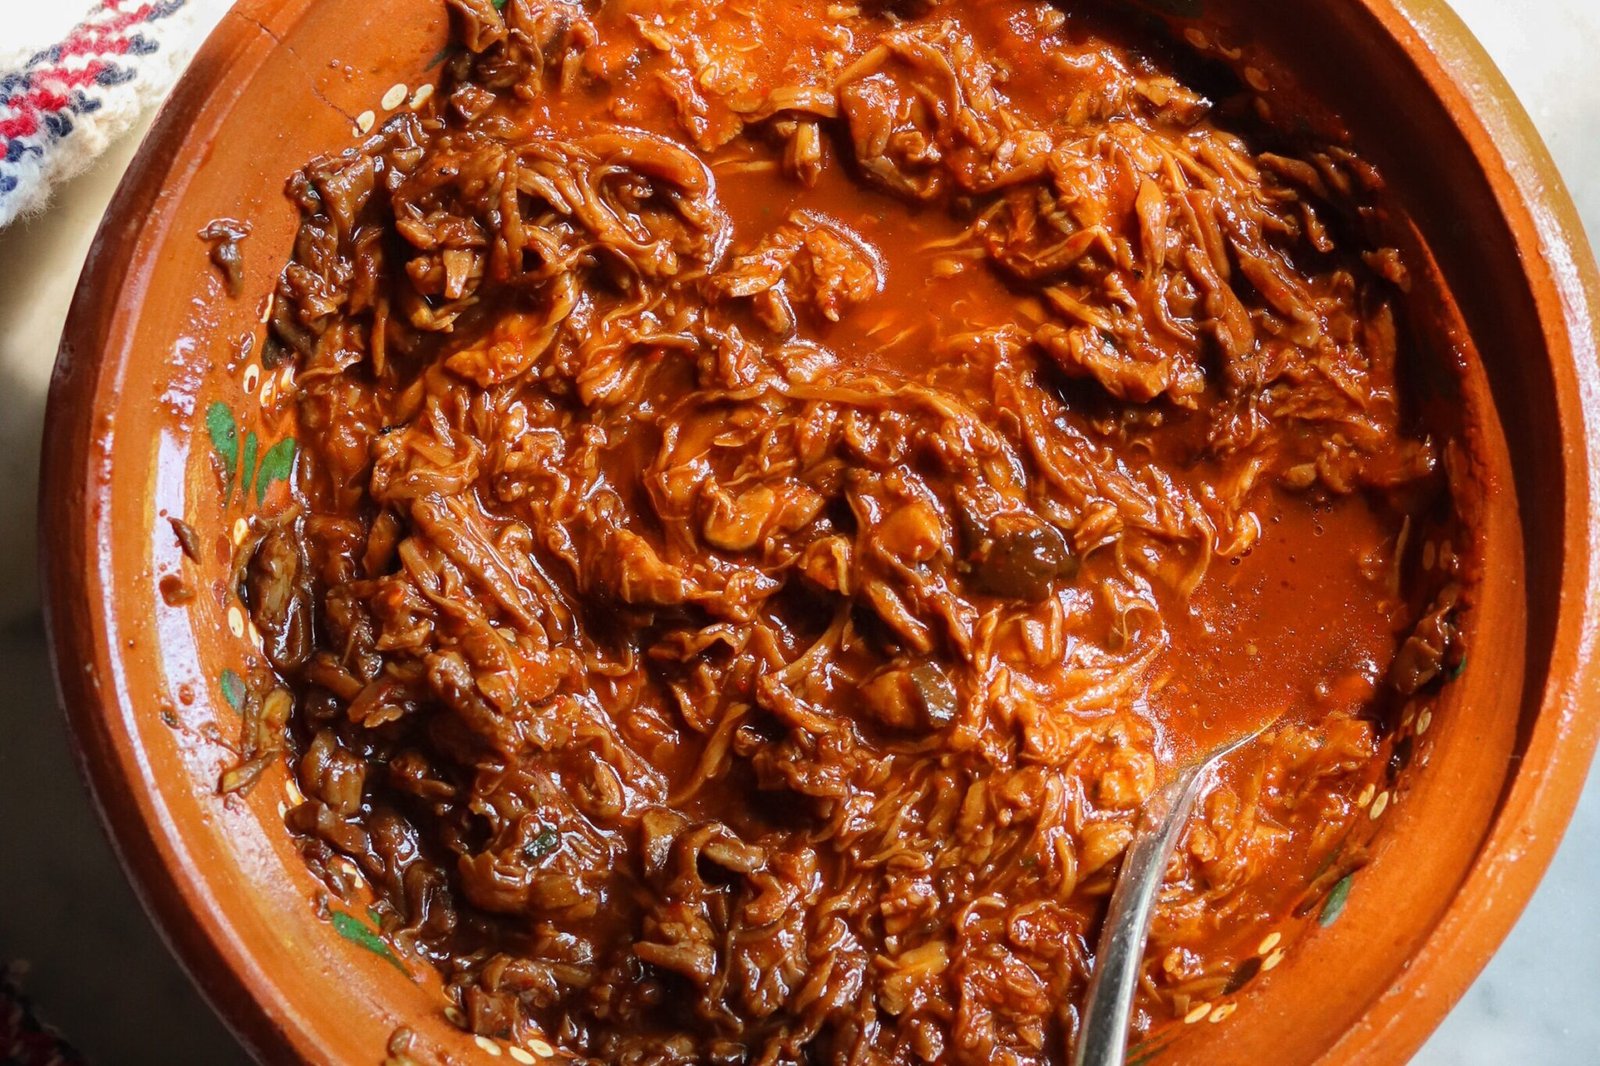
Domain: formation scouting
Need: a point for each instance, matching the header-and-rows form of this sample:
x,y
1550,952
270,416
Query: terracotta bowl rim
x,y
1511,859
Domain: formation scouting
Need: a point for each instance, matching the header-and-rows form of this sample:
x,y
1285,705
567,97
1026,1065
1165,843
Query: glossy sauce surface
x,y
785,482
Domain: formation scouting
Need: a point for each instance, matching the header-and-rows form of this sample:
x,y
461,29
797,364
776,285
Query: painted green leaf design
x,y
276,466
239,461
233,689
1335,902
224,431
354,930
247,469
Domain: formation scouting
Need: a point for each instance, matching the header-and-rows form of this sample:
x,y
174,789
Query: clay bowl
x,y
160,410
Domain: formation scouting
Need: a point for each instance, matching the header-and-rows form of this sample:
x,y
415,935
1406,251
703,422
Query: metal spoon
x,y
1103,1040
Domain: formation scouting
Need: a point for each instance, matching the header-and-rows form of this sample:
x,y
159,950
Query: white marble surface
x,y
99,972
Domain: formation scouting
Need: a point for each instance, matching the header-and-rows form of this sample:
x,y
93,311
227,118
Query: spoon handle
x,y
1103,1038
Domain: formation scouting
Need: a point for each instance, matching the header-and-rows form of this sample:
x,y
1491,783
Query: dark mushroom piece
x,y
917,696
1020,556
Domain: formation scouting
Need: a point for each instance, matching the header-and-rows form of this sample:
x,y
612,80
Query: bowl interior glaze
x,y
161,410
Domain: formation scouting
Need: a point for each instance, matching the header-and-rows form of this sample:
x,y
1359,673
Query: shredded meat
x,y
779,493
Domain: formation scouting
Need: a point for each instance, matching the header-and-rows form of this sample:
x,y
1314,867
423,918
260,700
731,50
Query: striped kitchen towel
x,y
66,103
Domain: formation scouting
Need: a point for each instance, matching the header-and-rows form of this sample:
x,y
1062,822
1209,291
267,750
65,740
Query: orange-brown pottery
x,y
162,409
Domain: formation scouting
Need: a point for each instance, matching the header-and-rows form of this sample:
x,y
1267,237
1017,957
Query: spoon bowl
x,y
1103,1037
